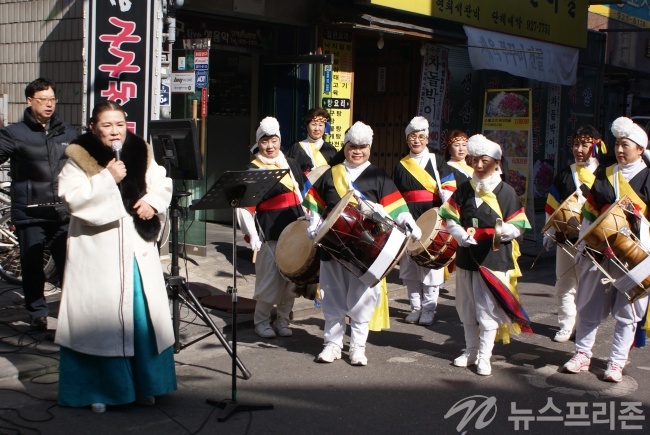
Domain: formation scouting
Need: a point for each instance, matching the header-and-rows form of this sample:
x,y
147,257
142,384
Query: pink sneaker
x,y
614,372
578,363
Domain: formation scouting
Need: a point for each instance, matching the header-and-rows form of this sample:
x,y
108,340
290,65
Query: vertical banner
x,y
119,59
336,93
433,86
507,121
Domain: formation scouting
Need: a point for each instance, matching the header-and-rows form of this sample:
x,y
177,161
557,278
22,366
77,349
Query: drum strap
x,y
634,277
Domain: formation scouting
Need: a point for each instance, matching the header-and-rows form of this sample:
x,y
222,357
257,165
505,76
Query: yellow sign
x,y
560,21
507,121
336,92
625,15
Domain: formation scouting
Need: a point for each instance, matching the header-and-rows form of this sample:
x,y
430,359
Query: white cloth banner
x,y
433,86
522,57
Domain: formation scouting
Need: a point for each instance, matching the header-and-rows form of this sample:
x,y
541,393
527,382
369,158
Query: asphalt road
x,y
409,385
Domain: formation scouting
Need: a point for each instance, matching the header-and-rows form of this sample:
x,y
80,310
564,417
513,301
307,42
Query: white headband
x,y
419,123
626,128
359,134
269,126
479,145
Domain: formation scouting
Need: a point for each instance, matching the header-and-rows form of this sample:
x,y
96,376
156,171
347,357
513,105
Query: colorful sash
x,y
418,172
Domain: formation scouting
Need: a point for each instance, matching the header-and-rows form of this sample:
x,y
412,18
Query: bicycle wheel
x,y
10,269
9,251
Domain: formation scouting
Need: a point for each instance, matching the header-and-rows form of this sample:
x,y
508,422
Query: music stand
x,y
175,146
236,189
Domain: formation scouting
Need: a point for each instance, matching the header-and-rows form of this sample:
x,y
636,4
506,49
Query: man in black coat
x,y
36,147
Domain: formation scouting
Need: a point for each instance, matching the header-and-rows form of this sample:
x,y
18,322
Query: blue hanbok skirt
x,y
86,379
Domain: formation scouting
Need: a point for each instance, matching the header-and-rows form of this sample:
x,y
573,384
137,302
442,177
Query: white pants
x,y
271,287
595,301
345,295
567,273
422,284
479,311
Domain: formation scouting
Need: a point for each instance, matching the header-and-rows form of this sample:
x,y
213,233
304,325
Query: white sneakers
x,y
563,335
614,372
98,407
282,326
358,356
330,353
578,363
482,364
422,317
426,318
413,317
265,330
466,360
483,367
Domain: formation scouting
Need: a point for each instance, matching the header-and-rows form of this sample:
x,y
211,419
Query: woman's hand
x,y
144,210
117,170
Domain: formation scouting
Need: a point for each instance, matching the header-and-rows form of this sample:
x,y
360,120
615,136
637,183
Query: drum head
x,y
570,203
597,223
429,223
316,173
294,249
333,216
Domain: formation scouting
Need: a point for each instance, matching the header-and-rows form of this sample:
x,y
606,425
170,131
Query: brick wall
x,y
42,38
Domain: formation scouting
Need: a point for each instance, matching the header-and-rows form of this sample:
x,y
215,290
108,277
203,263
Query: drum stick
x,y
254,255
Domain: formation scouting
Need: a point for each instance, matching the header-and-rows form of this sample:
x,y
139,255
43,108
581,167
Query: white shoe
x,y
483,367
614,372
466,359
578,363
264,329
282,327
358,356
413,317
426,318
98,407
330,353
563,335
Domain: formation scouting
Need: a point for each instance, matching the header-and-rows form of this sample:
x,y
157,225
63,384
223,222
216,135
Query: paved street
x,y
409,385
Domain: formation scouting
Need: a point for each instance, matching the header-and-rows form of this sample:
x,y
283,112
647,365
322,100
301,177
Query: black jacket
x,y
37,157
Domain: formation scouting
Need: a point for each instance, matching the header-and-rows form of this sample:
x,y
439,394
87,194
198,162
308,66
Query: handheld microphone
x,y
117,149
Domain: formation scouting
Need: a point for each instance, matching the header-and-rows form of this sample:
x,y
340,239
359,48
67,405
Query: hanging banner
x,y
336,93
507,119
433,85
560,21
522,57
120,57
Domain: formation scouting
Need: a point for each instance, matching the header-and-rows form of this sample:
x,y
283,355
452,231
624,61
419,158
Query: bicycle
x,y
10,269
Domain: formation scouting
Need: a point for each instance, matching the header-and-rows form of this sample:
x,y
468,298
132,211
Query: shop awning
x,y
523,57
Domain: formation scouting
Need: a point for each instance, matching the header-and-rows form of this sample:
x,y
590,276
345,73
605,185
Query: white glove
x,y
548,242
255,242
416,233
459,234
368,208
469,240
315,221
406,221
509,232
